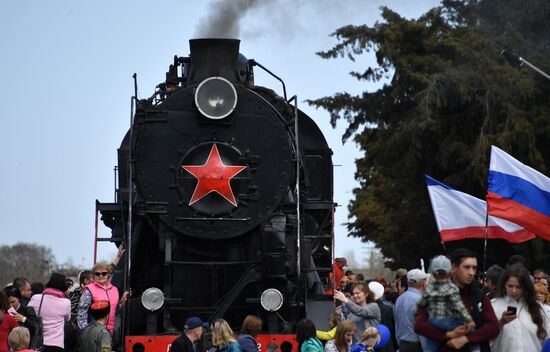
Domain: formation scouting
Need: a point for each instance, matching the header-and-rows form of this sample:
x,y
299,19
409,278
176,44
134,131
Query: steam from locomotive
x,y
225,199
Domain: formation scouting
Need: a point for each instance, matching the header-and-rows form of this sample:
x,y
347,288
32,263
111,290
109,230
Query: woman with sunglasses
x,y
100,289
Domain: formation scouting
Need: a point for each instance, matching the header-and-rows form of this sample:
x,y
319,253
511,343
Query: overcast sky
x,y
65,88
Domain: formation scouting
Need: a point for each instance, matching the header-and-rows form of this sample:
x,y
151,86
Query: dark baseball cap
x,y
194,322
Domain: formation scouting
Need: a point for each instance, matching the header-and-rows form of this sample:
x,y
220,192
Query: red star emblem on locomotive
x,y
213,176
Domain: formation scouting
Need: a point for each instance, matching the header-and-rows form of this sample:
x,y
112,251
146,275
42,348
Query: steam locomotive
x,y
224,199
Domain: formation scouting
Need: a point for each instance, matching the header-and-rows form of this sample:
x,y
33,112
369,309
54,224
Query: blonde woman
x,y
19,339
100,289
369,338
543,297
342,338
222,337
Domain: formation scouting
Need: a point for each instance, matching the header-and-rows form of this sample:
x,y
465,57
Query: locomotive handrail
x,y
298,201
255,63
128,244
281,117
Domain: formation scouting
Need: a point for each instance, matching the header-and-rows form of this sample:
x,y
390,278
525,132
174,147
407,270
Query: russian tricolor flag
x,y
518,193
459,215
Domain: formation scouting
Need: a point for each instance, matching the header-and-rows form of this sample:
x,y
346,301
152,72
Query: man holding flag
x,y
464,267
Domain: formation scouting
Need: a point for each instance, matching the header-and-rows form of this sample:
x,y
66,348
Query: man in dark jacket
x,y
24,286
386,313
464,266
192,333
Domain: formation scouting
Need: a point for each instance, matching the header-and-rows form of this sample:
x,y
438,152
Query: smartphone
x,y
12,311
511,310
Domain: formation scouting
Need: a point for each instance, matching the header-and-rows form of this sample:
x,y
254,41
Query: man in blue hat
x,y
192,333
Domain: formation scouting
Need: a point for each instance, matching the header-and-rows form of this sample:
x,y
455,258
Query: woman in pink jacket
x,y
100,289
54,309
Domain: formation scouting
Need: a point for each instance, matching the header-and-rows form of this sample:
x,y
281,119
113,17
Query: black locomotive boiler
x,y
224,199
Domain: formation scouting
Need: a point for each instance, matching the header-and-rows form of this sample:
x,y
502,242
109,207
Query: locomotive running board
x,y
285,343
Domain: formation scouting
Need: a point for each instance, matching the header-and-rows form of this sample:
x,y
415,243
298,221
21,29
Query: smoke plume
x,y
225,18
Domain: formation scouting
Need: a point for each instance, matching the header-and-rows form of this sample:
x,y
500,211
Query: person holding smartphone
x,y
524,323
7,323
364,311
24,315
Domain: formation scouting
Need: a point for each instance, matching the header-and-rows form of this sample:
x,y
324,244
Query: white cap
x,y
416,275
376,288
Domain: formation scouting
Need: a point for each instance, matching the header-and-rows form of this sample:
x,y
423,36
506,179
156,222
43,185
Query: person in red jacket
x,y
338,268
337,274
7,324
464,266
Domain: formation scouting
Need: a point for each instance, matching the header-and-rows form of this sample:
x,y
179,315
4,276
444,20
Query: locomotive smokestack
x,y
214,57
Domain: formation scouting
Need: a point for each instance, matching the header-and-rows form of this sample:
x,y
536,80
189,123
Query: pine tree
x,y
451,96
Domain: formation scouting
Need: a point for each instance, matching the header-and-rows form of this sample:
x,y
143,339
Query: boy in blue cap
x,y
443,302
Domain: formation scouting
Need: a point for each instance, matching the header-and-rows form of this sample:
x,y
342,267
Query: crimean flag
x,y
518,193
459,215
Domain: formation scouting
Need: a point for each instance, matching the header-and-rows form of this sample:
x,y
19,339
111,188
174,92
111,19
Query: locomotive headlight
x,y
152,299
216,98
271,300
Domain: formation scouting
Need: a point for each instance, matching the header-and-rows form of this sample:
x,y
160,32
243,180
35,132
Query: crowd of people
x,y
61,316
451,308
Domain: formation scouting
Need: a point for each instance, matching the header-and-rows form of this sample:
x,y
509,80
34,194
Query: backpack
x,y
37,343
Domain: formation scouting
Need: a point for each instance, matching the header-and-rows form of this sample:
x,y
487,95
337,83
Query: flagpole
x,y
485,243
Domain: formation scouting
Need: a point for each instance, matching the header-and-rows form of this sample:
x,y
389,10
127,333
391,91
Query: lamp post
x,y
519,61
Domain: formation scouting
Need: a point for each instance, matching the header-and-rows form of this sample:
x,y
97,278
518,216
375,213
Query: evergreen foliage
x,y
451,94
